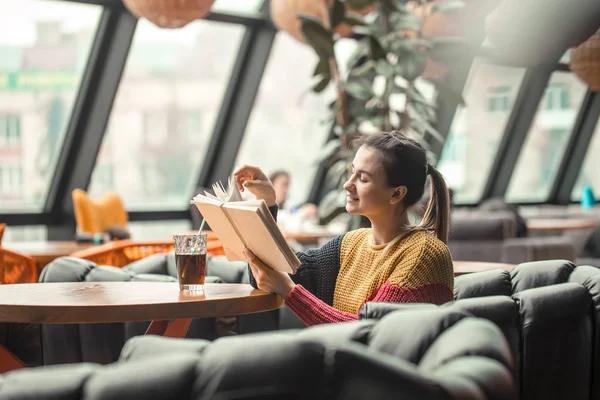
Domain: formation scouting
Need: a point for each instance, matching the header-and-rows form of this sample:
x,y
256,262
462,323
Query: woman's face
x,y
367,190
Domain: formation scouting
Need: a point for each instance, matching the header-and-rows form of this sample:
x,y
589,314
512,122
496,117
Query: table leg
x,y
8,361
175,329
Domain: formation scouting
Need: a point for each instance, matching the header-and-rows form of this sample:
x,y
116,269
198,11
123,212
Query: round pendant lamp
x,y
585,61
169,13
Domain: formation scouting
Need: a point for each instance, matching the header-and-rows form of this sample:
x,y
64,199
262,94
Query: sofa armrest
x,y
151,346
521,250
378,310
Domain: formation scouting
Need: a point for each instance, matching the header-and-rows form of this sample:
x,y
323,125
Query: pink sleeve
x,y
313,311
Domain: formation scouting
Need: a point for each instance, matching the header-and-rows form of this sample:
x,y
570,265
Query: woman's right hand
x,y
254,179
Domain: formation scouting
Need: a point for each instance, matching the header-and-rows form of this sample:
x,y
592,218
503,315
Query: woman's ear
x,y
398,195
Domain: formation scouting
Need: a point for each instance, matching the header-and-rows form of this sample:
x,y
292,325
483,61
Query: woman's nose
x,y
348,185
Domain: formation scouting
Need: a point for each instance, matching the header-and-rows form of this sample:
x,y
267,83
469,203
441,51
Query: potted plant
x,y
392,52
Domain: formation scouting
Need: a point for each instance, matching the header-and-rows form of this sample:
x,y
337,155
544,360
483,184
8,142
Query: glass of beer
x,y
190,257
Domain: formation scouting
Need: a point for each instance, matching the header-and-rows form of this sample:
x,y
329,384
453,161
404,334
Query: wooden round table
x,y
560,224
45,252
169,309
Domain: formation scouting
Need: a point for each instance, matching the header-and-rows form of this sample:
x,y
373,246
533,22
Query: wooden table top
x,y
48,249
560,224
469,267
95,302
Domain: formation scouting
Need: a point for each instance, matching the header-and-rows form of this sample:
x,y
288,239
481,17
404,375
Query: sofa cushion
x,y
418,333
556,341
482,226
487,283
540,273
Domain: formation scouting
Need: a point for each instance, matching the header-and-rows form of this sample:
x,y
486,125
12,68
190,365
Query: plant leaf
x,y
447,6
359,88
377,51
332,205
400,5
336,13
331,148
383,67
401,21
322,68
411,67
395,88
317,36
354,19
362,49
364,68
359,4
321,84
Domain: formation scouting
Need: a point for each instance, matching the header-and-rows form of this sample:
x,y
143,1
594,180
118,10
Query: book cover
x,y
245,223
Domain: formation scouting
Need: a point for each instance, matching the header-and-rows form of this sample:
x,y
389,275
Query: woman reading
x,y
393,261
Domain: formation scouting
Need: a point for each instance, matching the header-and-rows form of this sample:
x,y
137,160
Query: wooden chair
x,y
124,252
97,216
16,268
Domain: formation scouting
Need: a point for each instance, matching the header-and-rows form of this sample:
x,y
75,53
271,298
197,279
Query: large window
x,y
164,113
286,129
588,175
44,47
476,131
547,139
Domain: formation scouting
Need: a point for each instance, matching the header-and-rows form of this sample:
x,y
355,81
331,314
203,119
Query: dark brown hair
x,y
276,174
405,164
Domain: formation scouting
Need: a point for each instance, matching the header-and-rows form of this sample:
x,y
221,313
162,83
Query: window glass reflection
x,y
44,47
476,130
547,138
164,113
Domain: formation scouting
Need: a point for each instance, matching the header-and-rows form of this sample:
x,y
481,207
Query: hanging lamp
x,y
585,61
169,13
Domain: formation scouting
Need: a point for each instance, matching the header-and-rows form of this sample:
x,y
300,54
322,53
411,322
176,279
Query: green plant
x,y
391,54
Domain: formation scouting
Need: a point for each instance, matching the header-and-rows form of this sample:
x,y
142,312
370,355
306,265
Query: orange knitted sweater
x,y
335,280
413,262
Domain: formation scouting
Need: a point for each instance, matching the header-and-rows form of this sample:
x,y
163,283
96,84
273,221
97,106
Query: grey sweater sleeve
x,y
319,269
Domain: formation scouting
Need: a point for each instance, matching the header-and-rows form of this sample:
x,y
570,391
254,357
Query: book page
x,y
260,240
220,224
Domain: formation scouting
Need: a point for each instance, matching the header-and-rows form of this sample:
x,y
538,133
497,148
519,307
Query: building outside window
x,y
557,97
499,98
104,177
10,130
11,179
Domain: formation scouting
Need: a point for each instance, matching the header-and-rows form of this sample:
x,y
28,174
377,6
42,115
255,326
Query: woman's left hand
x,y
267,278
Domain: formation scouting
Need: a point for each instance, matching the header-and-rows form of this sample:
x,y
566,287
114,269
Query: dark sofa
x,y
423,354
549,311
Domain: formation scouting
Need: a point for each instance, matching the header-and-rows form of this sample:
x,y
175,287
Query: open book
x,y
246,223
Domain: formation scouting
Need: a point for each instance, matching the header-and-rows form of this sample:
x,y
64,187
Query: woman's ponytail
x,y
437,214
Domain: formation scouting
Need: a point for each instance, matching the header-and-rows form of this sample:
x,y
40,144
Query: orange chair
x,y
16,268
2,228
123,252
97,216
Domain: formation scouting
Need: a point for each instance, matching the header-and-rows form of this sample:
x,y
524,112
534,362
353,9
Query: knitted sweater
x,y
335,280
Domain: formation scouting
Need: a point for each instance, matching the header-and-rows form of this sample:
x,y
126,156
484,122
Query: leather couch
x,y
549,311
423,354
492,237
102,343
